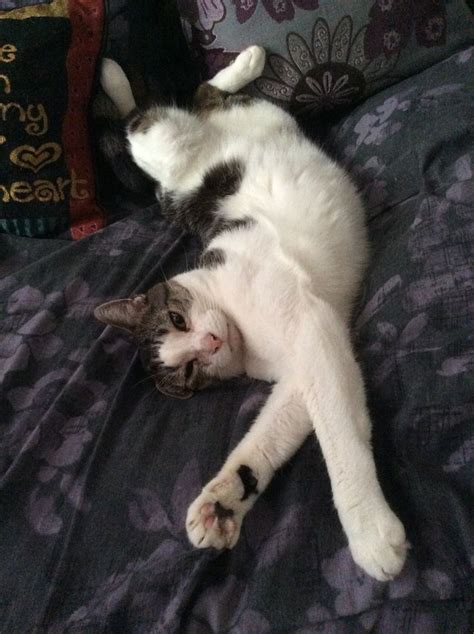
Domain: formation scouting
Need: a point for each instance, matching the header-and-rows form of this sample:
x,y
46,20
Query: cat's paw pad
x,y
382,549
215,517
209,524
249,63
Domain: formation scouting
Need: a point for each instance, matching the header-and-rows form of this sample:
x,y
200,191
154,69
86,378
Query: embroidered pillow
x,y
325,55
48,55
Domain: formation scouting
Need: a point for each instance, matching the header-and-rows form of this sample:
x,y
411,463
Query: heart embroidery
x,y
35,158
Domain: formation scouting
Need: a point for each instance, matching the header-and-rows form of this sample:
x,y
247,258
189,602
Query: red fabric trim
x,y
87,23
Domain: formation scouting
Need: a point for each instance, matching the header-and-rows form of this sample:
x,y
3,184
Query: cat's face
x,y
184,342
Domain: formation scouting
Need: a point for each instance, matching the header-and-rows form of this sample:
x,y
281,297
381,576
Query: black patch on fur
x,y
196,212
208,98
221,180
141,120
249,481
212,258
222,512
242,223
239,100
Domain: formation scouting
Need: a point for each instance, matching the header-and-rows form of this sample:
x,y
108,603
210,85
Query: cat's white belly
x,y
308,217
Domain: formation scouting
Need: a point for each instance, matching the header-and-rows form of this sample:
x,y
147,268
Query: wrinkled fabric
x,y
97,468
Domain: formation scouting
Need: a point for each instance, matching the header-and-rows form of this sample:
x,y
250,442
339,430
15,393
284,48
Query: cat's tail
x,y
115,84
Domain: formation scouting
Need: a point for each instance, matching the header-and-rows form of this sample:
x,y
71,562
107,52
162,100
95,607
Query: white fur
x,y
288,285
116,85
245,68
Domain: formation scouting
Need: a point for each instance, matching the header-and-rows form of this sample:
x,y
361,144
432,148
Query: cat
x,y
285,250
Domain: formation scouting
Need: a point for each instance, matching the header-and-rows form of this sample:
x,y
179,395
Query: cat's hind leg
x,y
246,67
115,84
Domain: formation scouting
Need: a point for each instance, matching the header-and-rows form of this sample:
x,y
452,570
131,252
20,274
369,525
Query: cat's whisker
x,y
148,394
147,378
186,259
163,274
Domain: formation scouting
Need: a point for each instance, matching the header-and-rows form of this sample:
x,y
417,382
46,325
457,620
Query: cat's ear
x,y
123,313
174,391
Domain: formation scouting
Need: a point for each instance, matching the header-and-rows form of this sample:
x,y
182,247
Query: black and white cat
x,y
285,251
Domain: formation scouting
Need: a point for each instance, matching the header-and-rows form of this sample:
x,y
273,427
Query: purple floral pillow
x,y
326,54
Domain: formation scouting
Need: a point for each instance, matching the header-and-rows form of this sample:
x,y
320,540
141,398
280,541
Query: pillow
x,y
325,55
48,55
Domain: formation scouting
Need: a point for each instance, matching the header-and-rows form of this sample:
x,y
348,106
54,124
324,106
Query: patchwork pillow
x,y
325,55
48,55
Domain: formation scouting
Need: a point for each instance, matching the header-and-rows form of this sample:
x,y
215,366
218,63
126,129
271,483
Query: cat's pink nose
x,y
212,343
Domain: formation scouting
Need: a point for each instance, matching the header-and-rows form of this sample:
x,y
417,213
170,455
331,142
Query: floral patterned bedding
x,y
97,468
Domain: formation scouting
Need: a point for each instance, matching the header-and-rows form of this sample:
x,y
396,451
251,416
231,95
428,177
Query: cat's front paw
x,y
215,517
381,548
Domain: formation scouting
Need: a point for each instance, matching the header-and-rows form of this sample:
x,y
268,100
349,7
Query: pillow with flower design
x,y
325,55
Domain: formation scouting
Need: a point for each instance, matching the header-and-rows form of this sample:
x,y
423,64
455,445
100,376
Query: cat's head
x,y
185,343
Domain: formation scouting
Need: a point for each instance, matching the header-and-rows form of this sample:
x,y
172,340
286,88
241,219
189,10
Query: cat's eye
x,y
177,320
188,370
